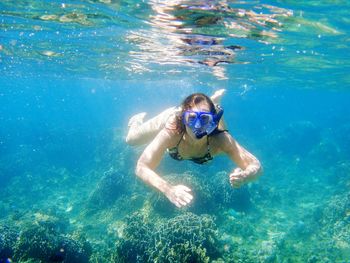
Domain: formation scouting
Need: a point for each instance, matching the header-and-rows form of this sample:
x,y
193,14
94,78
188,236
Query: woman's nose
x,y
197,124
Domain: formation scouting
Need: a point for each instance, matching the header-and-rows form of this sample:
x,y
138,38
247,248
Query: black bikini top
x,y
174,153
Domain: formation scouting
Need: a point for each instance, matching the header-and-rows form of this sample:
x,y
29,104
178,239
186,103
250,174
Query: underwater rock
x,y
184,238
112,185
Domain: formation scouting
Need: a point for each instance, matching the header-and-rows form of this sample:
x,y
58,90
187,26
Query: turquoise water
x,y
74,72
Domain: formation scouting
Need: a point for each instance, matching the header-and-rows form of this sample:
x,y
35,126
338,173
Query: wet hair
x,y
188,103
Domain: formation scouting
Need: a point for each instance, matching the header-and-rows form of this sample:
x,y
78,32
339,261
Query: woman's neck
x,y
193,141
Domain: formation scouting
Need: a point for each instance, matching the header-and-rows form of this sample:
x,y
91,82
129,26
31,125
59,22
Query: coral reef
x,y
111,186
39,243
335,221
45,244
284,217
321,234
8,238
184,238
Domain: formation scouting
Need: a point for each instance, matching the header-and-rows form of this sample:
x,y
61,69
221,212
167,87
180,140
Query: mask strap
x,y
219,114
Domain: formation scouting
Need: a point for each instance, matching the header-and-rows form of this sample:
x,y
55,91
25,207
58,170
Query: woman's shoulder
x,y
164,139
221,139
172,123
168,137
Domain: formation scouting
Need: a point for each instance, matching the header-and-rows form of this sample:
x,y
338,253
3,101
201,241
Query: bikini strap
x,y
208,146
178,143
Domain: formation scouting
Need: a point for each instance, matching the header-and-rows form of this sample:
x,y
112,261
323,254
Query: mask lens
x,y
190,118
205,119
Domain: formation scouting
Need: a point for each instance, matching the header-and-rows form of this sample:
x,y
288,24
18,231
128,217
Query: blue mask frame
x,y
204,122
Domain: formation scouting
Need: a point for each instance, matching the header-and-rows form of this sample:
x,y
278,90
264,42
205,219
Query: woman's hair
x,y
188,103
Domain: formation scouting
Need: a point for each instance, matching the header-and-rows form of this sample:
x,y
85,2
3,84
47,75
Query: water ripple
x,y
123,39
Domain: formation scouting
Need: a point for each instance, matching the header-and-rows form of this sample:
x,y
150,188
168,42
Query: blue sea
x,y
73,73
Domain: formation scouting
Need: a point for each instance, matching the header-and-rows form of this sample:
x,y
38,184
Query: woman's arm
x,y
149,161
249,167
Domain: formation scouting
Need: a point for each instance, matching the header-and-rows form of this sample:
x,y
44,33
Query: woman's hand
x,y
238,177
179,195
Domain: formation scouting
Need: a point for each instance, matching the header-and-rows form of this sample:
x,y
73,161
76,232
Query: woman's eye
x,y
205,119
191,118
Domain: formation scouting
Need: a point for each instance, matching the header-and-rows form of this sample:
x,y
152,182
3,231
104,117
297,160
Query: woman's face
x,y
199,107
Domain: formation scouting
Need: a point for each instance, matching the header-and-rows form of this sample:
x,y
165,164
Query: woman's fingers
x,y
184,187
177,204
187,195
182,202
182,195
236,172
187,198
237,177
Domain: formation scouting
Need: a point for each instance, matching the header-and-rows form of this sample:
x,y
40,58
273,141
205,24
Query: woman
x,y
194,132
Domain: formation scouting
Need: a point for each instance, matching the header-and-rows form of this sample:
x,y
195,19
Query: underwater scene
x,y
74,72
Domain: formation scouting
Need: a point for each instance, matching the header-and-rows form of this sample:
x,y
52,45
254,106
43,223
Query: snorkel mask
x,y
202,122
